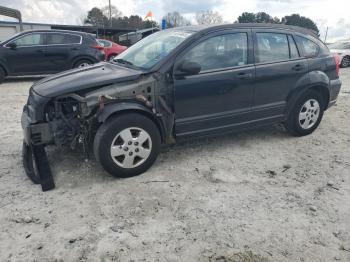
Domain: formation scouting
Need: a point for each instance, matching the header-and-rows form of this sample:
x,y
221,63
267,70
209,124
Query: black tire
x,y
110,129
82,62
345,62
293,125
2,75
111,57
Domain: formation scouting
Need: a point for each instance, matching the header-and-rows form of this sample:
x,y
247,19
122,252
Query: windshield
x,y
150,50
340,45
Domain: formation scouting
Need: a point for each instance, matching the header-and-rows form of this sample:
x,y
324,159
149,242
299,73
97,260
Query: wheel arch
x,y
117,109
320,88
79,58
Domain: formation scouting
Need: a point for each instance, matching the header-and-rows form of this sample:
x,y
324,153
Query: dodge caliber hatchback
x,y
41,52
182,82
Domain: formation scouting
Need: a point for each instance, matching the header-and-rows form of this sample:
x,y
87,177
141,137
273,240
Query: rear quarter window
x,y
308,47
62,39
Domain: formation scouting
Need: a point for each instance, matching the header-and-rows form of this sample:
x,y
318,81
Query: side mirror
x,y
12,45
188,68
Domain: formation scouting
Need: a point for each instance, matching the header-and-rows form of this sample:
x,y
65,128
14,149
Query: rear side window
x,y
220,52
104,43
30,40
310,49
271,47
62,39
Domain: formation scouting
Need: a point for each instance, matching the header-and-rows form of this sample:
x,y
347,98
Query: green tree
x,y
260,17
302,21
263,17
247,18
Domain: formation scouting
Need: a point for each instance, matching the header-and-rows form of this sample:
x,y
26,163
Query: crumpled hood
x,y
74,80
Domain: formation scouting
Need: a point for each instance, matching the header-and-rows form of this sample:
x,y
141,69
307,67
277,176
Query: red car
x,y
111,49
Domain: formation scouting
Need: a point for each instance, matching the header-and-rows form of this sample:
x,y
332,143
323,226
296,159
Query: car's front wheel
x,y
306,114
127,145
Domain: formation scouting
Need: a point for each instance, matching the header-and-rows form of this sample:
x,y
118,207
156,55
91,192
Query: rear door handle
x,y
298,67
41,51
244,75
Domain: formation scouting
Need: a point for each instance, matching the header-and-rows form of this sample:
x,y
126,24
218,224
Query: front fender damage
x,y
74,118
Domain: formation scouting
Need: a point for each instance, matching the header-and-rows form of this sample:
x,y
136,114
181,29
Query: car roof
x,y
206,28
53,31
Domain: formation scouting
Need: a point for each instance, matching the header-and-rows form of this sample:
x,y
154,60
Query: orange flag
x,y
149,14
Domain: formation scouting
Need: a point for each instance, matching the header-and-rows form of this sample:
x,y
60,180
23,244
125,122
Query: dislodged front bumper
x,y
36,136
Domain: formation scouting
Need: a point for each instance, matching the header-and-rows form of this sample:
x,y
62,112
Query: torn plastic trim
x,y
36,166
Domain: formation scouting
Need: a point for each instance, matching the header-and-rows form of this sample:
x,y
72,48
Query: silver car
x,y
342,48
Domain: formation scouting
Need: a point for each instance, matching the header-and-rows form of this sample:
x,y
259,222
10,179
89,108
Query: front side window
x,y
310,49
271,47
220,52
30,40
62,39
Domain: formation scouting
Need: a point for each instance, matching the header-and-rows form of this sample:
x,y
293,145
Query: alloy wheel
x,y
131,147
309,114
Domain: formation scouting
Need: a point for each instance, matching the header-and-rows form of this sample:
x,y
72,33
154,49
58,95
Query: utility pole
x,y
110,14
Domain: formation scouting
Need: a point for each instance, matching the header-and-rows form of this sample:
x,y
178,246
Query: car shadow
x,y
71,170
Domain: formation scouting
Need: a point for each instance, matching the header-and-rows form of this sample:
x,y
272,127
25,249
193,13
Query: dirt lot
x,y
255,196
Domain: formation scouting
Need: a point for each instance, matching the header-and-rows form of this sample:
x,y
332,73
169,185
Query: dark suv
x,y
182,82
41,52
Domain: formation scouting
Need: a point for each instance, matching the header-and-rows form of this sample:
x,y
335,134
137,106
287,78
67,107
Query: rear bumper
x,y
334,89
35,134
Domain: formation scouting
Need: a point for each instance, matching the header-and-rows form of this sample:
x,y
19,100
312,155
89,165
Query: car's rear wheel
x,y
345,62
127,145
2,75
82,63
306,114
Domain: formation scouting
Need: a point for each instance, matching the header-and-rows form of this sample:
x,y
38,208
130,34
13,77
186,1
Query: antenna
x,y
325,37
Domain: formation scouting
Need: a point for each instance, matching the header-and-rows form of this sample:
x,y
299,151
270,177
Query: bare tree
x,y
115,13
209,17
175,19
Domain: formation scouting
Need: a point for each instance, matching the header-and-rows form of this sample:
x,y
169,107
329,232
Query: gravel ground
x,y
254,196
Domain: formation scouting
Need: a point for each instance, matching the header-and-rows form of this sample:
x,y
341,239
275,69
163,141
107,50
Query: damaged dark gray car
x,y
191,81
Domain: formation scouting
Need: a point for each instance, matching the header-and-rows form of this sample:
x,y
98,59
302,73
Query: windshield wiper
x,y
122,61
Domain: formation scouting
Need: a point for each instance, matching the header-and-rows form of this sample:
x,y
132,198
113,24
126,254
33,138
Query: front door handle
x,y
41,51
298,67
244,75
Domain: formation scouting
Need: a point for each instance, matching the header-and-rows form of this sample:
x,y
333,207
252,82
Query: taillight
x,y
337,62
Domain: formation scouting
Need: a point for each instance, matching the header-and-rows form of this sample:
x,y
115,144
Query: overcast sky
x,y
333,14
